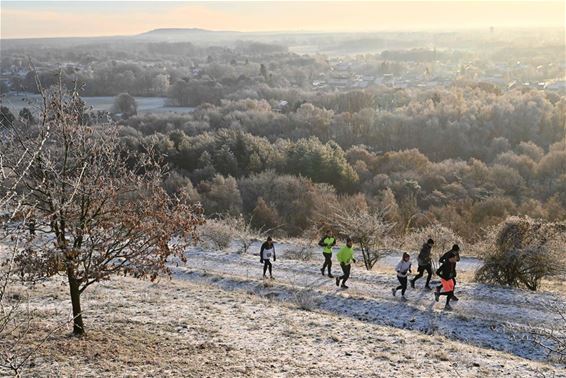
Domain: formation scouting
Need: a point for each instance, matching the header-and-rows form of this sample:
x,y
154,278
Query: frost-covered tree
x,y
100,207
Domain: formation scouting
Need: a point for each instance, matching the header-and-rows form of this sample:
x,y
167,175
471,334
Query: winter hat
x,y
430,241
455,247
405,255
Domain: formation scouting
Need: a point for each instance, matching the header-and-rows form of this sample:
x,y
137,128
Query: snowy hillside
x,y
217,318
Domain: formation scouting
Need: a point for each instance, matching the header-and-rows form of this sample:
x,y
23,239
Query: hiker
x,y
328,241
345,256
425,264
403,269
447,272
456,252
267,250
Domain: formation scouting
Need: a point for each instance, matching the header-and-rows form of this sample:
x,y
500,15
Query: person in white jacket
x,y
266,253
403,269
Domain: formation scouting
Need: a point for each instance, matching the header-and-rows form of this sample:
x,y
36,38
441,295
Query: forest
x,y
146,180
278,136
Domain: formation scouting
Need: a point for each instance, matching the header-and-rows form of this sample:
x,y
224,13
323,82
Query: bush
x,y
243,233
305,300
303,252
552,338
524,252
216,234
125,104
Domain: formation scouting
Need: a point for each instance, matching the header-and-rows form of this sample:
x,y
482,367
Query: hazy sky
x,y
22,19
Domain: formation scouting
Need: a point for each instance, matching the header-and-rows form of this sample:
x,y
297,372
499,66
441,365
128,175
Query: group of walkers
x,y
345,256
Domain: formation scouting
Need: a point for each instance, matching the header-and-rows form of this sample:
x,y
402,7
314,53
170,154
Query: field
x,y
217,318
15,102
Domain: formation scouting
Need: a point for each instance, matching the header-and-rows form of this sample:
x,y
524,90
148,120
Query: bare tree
x,y
100,207
364,226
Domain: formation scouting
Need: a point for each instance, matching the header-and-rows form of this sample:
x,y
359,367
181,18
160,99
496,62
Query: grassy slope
x,y
186,329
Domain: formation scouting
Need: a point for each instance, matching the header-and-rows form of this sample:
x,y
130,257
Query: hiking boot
x,y
344,286
412,284
403,298
337,281
436,296
447,308
271,277
330,275
454,298
393,291
428,287
322,271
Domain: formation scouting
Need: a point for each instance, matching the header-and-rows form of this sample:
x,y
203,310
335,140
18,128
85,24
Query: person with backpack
x,y
328,241
266,252
456,252
403,269
447,272
345,256
425,264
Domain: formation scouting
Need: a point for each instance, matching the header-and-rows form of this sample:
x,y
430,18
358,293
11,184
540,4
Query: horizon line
x,y
322,31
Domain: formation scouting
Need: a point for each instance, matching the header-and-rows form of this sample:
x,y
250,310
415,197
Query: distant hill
x,y
181,34
163,31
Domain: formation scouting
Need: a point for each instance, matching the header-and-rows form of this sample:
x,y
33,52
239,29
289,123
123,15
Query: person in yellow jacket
x,y
328,241
345,257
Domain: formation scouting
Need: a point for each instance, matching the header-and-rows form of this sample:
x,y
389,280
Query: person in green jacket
x,y
328,241
345,256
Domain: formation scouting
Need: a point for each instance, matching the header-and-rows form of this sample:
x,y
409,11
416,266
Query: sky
x,y
31,19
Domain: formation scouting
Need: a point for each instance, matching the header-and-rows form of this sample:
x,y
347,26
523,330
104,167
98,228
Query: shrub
x,y
216,234
302,252
305,300
243,233
551,338
125,104
524,252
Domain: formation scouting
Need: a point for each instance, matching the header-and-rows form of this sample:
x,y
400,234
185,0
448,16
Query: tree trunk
x,y
366,256
78,328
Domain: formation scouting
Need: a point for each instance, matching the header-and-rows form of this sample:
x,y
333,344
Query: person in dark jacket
x,y
447,272
327,242
403,269
425,264
266,253
456,252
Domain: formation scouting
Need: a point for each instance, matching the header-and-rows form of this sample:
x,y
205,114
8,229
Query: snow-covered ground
x,y
15,102
218,318
486,316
